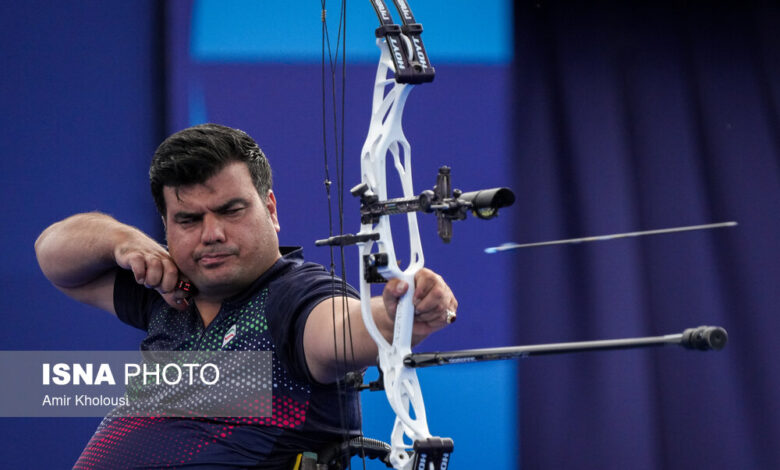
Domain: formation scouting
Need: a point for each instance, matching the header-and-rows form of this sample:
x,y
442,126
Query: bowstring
x,y
339,139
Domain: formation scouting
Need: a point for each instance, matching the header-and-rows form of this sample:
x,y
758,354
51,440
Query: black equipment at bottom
x,y
433,450
336,457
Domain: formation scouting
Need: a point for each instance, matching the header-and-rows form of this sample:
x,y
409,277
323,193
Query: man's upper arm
x,y
300,304
98,293
318,337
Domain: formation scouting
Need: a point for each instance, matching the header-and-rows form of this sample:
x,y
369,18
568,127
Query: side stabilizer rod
x,y
703,338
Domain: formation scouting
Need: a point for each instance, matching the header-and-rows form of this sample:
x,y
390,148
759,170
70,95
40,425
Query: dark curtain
x,y
631,117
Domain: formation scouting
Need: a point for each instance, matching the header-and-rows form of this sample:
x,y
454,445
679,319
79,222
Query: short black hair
x,y
193,155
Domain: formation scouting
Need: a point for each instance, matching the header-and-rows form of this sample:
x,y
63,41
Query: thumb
x,y
181,297
394,290
177,300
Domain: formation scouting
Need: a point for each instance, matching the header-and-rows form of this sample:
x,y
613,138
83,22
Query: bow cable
x,y
338,121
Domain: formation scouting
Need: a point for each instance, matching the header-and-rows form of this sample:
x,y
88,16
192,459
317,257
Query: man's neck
x,y
208,310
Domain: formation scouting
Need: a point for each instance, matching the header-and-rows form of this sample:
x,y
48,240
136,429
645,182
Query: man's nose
x,y
213,230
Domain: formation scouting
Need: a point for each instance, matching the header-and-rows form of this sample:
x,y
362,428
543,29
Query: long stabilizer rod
x,y
703,338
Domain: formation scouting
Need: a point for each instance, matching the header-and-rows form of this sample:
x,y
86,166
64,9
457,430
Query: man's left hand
x,y
435,305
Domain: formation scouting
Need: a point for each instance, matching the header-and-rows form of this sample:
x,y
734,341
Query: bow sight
x,y
447,204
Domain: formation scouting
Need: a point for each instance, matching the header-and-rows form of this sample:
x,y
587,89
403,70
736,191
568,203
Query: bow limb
x,y
385,137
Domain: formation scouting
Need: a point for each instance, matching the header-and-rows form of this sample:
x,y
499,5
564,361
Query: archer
x,y
212,188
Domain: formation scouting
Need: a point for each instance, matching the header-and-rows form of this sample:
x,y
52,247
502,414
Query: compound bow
x,y
403,63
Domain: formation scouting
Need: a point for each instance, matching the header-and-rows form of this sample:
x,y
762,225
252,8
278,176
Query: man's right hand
x,y
79,255
153,267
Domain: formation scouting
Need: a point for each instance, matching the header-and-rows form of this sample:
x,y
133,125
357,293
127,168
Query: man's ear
x,y
270,205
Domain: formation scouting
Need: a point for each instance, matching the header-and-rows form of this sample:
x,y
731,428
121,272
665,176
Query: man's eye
x,y
234,211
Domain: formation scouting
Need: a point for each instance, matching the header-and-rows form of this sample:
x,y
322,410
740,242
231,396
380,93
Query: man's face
x,y
222,234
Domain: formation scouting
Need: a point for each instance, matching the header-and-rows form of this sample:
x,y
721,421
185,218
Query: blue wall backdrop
x,y
602,117
81,111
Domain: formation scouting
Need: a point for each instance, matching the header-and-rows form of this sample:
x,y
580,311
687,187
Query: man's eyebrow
x,y
186,215
231,203
221,208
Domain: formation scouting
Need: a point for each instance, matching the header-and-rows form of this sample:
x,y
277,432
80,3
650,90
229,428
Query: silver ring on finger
x,y
451,316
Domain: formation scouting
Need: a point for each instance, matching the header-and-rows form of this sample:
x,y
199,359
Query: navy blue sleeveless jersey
x,y
268,316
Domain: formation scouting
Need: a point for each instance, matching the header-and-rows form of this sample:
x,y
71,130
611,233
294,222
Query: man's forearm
x,y
365,347
79,249
354,348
